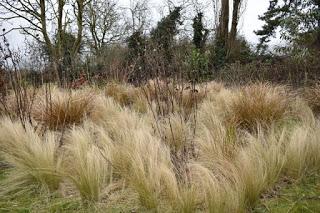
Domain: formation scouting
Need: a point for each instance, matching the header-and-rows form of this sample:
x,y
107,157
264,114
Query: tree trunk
x,y
234,25
58,46
77,44
51,50
222,33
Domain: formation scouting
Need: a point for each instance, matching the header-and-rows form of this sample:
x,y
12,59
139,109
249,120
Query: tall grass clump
x,y
127,96
303,151
116,119
34,158
218,192
175,131
260,104
214,139
311,95
58,109
137,155
121,93
140,159
260,163
86,166
189,99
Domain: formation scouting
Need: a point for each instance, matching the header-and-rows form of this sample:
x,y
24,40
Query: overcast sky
x,y
248,23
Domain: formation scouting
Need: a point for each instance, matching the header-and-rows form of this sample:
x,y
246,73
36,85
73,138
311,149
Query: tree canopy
x,y
295,18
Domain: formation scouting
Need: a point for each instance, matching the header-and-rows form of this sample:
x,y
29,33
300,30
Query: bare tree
x,y
138,10
104,23
46,21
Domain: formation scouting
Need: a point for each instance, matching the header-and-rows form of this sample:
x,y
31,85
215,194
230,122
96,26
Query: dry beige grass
x,y
34,157
123,149
303,151
218,192
215,139
63,108
175,132
121,93
189,100
170,97
312,97
260,104
260,163
127,95
86,166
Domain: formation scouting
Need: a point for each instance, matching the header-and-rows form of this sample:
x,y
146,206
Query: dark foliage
x,y
294,17
200,33
163,34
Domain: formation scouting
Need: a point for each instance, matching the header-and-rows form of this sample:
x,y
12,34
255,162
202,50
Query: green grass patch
x,y
34,202
303,196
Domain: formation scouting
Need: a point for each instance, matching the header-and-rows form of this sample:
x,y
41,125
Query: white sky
x,y
247,25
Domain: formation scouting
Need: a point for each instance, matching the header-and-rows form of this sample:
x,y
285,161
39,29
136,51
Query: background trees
x,y
103,36
299,23
225,39
103,22
48,22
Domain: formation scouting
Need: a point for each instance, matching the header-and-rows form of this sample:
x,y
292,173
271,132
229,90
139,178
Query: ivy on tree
x,y
163,34
200,34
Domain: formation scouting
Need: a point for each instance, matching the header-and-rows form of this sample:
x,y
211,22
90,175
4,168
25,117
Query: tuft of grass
x,y
260,164
120,93
218,192
139,159
175,132
86,166
312,96
33,157
214,139
128,96
115,119
303,151
60,109
260,104
189,99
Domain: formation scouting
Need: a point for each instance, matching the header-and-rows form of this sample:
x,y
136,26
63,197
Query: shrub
x,y
198,62
277,69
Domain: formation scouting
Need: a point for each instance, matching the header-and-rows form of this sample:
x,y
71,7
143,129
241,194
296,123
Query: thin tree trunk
x,y
60,38
77,43
52,53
